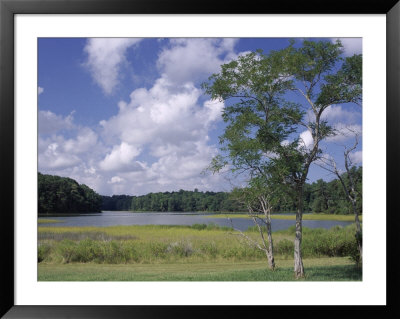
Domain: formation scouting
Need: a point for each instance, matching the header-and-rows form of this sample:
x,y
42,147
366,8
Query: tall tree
x,y
322,83
264,127
259,121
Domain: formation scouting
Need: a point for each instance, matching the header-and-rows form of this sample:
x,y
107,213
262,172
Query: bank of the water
x,y
48,221
331,217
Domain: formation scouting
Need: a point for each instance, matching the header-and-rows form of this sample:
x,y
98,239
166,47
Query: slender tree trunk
x,y
298,259
271,259
269,252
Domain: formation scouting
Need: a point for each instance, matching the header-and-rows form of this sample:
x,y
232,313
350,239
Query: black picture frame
x,y
8,8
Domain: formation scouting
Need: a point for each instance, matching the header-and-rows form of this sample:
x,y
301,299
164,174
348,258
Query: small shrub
x,y
43,252
284,247
157,249
199,226
181,249
209,249
66,249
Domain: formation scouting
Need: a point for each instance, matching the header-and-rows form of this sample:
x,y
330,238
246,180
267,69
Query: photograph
x,y
213,159
190,160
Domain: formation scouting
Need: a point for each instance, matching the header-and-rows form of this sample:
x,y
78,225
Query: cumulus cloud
x,y
356,157
40,90
344,132
120,158
115,180
306,138
105,56
158,140
351,46
337,113
165,115
193,59
56,153
52,156
84,141
168,129
50,122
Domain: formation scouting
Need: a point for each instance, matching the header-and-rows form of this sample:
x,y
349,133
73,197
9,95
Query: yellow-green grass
x,y
156,233
344,218
148,244
319,269
156,244
49,221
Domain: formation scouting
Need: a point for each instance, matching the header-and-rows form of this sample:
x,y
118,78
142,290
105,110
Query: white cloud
x,y
307,139
105,56
337,113
50,123
120,158
194,59
56,153
169,130
52,156
84,142
115,180
164,115
351,46
176,149
40,90
356,157
344,132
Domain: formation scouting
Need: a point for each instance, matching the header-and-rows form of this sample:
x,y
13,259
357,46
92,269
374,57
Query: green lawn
x,y
318,269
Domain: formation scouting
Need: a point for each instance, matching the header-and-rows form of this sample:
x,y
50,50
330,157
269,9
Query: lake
x,y
114,218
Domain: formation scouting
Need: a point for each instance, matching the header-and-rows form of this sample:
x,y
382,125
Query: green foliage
x,y
262,136
259,119
60,195
329,197
43,252
335,242
181,201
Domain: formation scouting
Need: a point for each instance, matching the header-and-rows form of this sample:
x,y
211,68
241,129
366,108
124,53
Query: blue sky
x,y
127,116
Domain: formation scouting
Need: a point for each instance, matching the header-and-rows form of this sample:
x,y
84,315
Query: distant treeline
x,y
61,195
181,201
319,197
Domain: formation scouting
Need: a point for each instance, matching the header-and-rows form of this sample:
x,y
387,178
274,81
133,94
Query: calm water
x,y
113,218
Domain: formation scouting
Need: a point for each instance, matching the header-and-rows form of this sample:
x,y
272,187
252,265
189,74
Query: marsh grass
x,y
95,235
180,244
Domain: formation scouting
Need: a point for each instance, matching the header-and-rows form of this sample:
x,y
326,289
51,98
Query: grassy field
x,y
198,252
344,218
319,269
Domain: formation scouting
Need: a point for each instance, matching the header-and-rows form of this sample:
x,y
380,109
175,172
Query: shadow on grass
x,y
334,273
313,273
323,273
